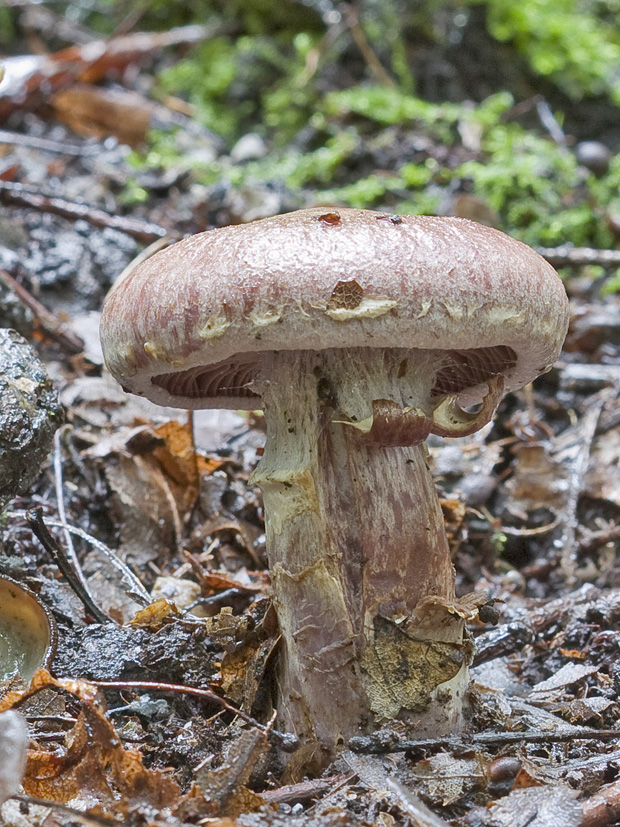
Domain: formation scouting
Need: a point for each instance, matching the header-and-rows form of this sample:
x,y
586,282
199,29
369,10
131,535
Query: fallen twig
x,y
598,538
77,583
603,808
49,323
305,790
287,741
60,499
143,231
135,589
373,774
76,815
47,145
569,256
578,460
373,745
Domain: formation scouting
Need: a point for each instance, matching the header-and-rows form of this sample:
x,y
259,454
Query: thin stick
x,y
305,790
45,144
40,530
569,256
143,231
369,745
85,818
60,500
136,590
361,41
48,321
578,465
287,741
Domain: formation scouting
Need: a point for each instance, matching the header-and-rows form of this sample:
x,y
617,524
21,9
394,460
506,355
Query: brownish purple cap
x,y
187,327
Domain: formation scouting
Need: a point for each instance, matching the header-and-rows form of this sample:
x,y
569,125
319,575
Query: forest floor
x,y
159,715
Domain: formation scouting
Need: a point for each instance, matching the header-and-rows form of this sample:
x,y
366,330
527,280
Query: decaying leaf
x,y
155,485
453,515
538,479
447,779
29,79
404,670
224,788
244,669
372,772
98,113
536,807
603,478
90,767
153,615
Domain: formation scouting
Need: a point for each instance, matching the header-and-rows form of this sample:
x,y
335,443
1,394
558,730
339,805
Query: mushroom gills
x,y
458,370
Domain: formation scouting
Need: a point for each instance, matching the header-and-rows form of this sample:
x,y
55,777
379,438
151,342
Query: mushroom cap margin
x,y
331,278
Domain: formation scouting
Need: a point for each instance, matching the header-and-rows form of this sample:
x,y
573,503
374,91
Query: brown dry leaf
x,y
178,460
453,515
153,615
538,480
224,787
146,510
98,113
243,801
155,484
30,79
91,767
193,809
528,777
207,465
243,671
218,581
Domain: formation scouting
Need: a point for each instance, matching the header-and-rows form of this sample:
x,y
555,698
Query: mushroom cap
x,y
188,326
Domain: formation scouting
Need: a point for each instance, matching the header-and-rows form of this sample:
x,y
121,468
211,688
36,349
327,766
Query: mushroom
x,y
359,334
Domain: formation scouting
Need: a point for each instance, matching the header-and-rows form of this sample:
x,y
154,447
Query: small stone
x,y
29,414
248,148
593,155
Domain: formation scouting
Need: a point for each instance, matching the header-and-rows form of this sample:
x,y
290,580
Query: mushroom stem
x,y
362,577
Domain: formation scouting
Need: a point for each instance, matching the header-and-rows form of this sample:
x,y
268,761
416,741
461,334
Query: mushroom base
x,y
362,578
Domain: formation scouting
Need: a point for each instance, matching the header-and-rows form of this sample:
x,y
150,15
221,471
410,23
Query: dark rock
x,y
14,313
29,415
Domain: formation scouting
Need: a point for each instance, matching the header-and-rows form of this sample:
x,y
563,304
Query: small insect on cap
x,y
188,326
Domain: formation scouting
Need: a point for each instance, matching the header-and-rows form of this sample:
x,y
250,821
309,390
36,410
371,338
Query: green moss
x,y
365,193
537,188
382,146
612,284
7,29
565,40
205,79
388,106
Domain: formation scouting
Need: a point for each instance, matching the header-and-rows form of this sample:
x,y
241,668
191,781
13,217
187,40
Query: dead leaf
x,y
152,616
537,807
94,112
403,670
243,671
538,479
90,767
224,787
447,779
28,80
